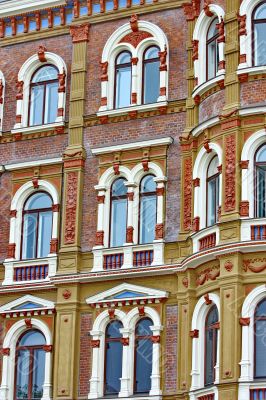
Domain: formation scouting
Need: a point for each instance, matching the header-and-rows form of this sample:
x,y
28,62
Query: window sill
x,y
197,236
37,128
243,69
126,110
203,87
11,265
211,390
246,227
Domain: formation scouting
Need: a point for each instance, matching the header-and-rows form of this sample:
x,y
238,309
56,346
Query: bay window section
x,y
212,50
147,209
43,96
123,77
113,358
260,182
143,356
118,213
259,34
151,75
212,192
37,226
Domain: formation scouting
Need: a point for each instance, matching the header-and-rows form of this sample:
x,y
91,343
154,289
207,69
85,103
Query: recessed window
x,y
259,340
123,72
212,192
151,78
113,358
211,345
143,356
259,34
212,50
43,96
147,210
37,226
118,213
30,366
260,182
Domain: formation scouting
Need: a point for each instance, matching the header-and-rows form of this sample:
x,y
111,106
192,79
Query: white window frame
x,y
129,322
25,75
113,47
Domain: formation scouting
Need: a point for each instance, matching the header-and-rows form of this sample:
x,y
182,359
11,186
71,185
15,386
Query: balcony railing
x,y
207,242
113,261
31,273
207,397
258,394
258,232
142,258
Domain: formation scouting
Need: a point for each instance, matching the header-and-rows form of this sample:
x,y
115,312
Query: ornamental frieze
x,y
255,265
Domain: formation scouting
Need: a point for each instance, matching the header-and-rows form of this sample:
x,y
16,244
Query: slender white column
x,y
126,363
96,381
155,375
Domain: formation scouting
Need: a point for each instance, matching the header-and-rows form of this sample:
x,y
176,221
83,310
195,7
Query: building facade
x,y
133,199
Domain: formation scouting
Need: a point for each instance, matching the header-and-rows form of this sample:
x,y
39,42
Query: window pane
x,y
152,52
212,201
32,338
46,73
119,222
119,188
261,155
148,184
151,82
38,201
213,61
123,87
38,374
29,235
213,29
261,192
261,12
143,365
209,356
51,103
36,106
147,218
22,381
113,365
143,327
260,334
213,167
44,233
261,309
260,43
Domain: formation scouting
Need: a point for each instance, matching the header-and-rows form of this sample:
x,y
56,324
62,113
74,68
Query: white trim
x,y
28,164
202,233
11,306
8,370
247,358
37,128
126,110
204,125
246,224
198,322
127,380
13,7
200,89
248,153
252,70
252,110
128,146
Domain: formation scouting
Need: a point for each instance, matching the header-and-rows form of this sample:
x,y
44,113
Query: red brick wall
x,y
212,106
12,59
5,199
85,355
253,92
170,350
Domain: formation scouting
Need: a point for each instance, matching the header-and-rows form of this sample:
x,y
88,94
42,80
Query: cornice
x,y
13,7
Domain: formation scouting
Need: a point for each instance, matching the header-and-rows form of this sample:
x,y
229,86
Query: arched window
x,y
212,191
147,209
43,96
212,50
118,213
259,33
113,358
123,75
143,356
259,340
260,182
211,345
30,366
151,75
37,226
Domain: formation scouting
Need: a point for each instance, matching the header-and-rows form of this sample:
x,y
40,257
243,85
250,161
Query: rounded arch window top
x,y
113,330
213,167
212,317
261,309
124,58
119,188
212,31
147,184
32,338
39,200
261,154
46,73
151,53
143,327
260,12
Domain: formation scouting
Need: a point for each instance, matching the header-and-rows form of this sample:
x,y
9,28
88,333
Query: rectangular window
x,y
260,44
36,106
151,82
29,235
44,233
123,87
51,101
119,222
147,219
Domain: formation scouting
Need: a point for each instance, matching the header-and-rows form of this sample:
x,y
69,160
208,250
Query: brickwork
x,y
170,350
212,106
85,354
253,92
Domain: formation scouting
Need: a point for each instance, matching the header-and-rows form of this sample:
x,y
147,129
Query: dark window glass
x,y
147,210
143,356
260,182
212,50
118,213
113,357
123,74
30,366
43,96
151,72
259,34
37,226
259,340
212,192
211,345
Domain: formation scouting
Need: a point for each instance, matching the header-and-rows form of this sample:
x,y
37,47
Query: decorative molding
x,y
187,193
125,341
134,38
230,173
242,24
194,334
195,50
54,245
95,344
80,33
11,248
206,8
196,224
244,209
28,323
19,86
228,265
104,68
192,10
66,294
209,274
71,207
155,339
41,54
185,282
244,164
62,82
48,348
163,57
99,238
207,299
5,351
129,234
249,265
244,321
159,231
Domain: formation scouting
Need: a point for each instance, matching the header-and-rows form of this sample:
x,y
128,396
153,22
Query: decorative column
x,y
127,368
97,343
163,55
47,385
61,96
99,240
128,251
158,243
155,375
19,98
134,89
